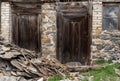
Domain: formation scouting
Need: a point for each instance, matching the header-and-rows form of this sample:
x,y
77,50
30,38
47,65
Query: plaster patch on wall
x,y
97,19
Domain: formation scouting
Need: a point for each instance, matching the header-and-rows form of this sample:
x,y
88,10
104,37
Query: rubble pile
x,y
107,46
20,62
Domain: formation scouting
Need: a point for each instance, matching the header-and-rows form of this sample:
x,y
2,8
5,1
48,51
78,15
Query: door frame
x,y
60,10
21,8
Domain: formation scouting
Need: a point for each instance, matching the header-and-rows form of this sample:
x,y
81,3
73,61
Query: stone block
x,y
48,6
94,48
46,40
49,16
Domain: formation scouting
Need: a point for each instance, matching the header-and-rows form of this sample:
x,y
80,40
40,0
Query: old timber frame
x,y
74,25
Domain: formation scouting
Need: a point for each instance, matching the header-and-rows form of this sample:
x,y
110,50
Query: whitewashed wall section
x,y
5,21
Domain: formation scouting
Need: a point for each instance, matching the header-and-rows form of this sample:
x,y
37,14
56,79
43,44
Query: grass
x,y
103,62
105,73
56,78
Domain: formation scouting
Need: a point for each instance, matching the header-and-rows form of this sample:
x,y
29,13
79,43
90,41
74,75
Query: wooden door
x,y
26,27
73,33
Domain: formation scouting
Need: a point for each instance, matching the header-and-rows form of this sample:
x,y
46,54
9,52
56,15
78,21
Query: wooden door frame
x,y
22,9
89,31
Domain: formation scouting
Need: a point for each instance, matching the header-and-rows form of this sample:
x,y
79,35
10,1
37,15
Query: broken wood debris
x,y
27,64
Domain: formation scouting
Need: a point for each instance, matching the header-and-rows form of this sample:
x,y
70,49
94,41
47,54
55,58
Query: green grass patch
x,y
102,61
105,73
56,78
85,79
67,76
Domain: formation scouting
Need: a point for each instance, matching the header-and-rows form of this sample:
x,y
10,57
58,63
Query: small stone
x,y
109,47
98,41
117,71
2,52
100,46
74,74
81,77
94,48
23,79
105,37
102,54
1,74
4,78
41,79
118,61
114,61
49,45
76,79
115,39
90,78
98,30
9,78
46,40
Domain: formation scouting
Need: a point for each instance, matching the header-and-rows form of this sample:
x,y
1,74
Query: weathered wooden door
x,y
73,32
26,26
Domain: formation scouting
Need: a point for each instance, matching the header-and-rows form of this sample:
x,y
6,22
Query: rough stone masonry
x,y
48,25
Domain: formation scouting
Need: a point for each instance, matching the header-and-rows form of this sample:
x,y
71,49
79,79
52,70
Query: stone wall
x,y
5,21
48,28
107,46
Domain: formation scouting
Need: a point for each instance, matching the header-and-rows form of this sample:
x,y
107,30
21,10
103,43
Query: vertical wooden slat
x,y
15,28
39,34
33,35
22,28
